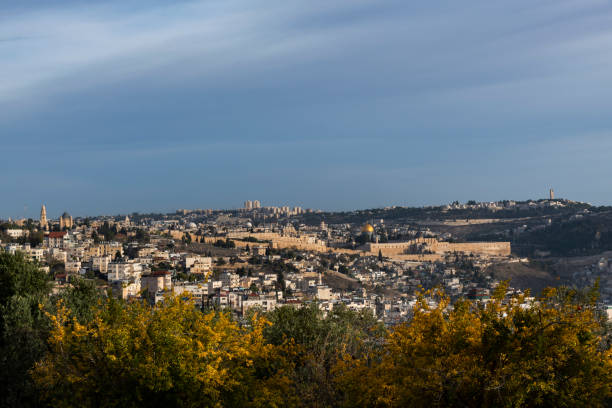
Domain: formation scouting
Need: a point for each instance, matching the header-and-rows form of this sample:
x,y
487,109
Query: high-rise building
x,y
256,204
43,218
551,194
248,205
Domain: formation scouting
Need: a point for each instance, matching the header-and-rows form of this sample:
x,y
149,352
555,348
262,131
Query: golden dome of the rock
x,y
367,229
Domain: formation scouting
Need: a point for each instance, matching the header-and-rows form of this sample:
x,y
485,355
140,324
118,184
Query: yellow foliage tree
x,y
507,353
171,355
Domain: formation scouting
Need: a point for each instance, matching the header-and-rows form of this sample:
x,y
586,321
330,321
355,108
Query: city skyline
x,y
152,106
27,212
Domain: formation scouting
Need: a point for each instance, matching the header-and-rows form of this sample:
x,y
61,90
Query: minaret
x,y
43,218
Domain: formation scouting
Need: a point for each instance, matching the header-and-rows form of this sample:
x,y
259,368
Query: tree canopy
x,y
80,347
552,353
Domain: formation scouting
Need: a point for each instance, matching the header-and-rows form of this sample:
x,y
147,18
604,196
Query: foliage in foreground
x,y
23,327
78,348
553,353
171,355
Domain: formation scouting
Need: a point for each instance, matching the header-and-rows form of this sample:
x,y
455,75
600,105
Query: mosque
x,y
367,232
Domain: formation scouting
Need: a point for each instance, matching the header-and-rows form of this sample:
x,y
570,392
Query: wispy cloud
x,y
425,88
112,42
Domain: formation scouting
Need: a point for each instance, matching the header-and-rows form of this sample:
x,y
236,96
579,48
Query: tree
x,y
320,341
82,298
171,355
142,236
380,256
550,353
35,238
23,327
107,231
280,281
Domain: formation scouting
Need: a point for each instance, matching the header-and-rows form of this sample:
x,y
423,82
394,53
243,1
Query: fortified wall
x,y
432,245
415,249
304,242
476,248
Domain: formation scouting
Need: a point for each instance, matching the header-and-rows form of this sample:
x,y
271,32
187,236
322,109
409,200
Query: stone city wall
x,y
431,244
480,248
396,250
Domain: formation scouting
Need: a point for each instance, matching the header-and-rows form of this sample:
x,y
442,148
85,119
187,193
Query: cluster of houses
x,y
265,267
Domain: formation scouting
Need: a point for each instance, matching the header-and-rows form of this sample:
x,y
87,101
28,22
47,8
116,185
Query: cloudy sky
x,y
155,105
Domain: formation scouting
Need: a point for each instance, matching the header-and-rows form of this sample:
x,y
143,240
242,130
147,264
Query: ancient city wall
x,y
398,248
480,248
431,244
387,249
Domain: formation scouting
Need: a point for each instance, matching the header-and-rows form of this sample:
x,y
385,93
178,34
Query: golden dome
x,y
367,229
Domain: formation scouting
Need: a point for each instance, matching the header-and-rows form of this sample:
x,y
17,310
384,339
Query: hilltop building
x,y
367,232
66,221
252,205
44,224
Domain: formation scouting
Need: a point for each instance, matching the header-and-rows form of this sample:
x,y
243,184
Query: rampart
x,y
431,245
419,249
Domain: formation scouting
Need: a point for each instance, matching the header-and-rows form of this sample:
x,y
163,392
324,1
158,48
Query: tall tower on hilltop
x,y
43,218
551,194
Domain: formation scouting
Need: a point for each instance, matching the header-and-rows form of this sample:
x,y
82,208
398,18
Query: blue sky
x,y
121,106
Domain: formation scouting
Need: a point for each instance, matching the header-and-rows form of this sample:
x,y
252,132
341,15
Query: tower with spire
x,y
43,218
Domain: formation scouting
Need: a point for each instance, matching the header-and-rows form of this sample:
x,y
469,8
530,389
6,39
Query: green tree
x,y
142,236
23,327
320,341
82,297
280,281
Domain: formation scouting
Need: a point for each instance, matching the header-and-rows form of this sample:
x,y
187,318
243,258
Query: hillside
x,y
524,276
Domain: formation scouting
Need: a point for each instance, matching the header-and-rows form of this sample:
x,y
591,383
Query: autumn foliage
x,y
80,348
552,353
171,355
514,353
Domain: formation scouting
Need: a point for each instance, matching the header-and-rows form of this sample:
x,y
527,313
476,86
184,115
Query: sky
x,y
117,106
